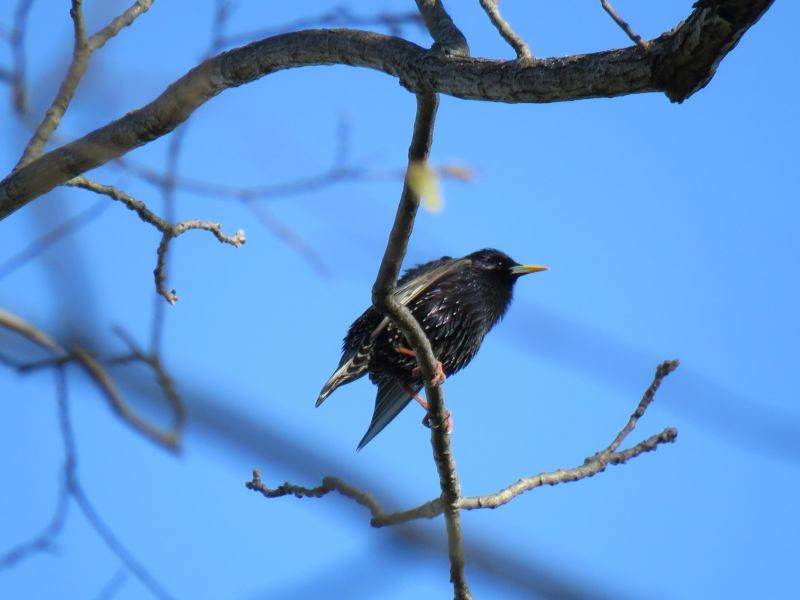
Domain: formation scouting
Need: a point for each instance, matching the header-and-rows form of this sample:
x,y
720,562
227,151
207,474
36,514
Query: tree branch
x,y
169,230
437,506
384,302
679,63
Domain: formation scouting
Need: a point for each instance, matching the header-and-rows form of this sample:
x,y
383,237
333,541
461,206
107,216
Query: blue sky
x,y
670,230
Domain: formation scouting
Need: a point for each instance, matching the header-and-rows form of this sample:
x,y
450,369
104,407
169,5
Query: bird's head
x,y
499,264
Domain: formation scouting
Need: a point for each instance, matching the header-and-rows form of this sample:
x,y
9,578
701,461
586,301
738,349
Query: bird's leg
x,y
438,378
426,420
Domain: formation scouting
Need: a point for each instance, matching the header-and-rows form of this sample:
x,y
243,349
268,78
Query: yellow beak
x,y
524,269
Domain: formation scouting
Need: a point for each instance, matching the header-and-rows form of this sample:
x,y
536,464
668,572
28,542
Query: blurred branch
x,y
168,439
46,540
16,39
25,329
71,488
83,49
492,8
88,510
62,230
113,585
101,378
338,16
635,38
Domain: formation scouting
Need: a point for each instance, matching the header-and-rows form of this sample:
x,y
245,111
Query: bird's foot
x,y
448,421
426,420
438,378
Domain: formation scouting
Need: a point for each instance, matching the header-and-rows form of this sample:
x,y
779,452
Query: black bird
x,y
456,300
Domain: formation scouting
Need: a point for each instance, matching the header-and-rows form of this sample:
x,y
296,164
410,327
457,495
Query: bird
x,y
455,300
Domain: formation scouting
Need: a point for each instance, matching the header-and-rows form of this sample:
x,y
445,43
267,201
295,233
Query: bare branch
x,y
662,371
437,506
380,518
592,466
680,63
447,37
492,8
635,38
137,206
171,296
169,231
384,301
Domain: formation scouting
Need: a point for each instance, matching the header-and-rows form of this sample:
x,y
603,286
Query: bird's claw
x,y
448,420
438,378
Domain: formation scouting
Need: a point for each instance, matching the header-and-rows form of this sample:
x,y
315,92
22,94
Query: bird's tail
x,y
392,397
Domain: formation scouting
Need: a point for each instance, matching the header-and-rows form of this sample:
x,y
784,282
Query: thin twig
x,y
591,467
437,506
169,230
635,38
492,8
664,369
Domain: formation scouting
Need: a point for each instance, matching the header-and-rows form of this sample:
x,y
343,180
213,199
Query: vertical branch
x,y
385,302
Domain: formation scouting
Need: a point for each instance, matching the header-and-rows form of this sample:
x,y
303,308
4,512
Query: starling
x,y
455,300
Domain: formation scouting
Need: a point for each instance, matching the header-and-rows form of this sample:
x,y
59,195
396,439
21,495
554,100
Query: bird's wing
x,y
391,399
422,278
352,366
414,282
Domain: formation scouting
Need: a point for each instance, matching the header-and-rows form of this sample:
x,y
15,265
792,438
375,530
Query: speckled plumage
x,y
457,302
